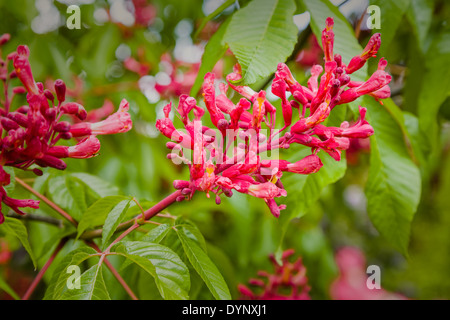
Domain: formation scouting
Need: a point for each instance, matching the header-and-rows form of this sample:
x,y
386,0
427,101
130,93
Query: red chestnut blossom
x,y
218,163
118,122
352,281
290,276
30,134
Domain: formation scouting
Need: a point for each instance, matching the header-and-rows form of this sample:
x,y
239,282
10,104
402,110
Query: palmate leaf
x,y
394,184
165,266
261,35
92,286
58,283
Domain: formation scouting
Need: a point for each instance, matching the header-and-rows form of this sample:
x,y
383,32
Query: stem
x,y
150,213
92,244
123,235
50,203
35,217
41,273
113,270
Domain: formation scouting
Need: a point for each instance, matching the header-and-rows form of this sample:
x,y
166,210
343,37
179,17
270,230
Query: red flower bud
x,y
62,126
60,89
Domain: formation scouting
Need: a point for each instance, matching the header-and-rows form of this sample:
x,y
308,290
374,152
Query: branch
x,y
113,270
41,273
35,217
50,203
150,213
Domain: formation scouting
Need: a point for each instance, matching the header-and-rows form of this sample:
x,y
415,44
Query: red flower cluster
x,y
213,169
289,277
30,134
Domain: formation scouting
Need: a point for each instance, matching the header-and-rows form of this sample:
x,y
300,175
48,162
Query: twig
x,y
113,270
35,217
47,201
41,273
150,213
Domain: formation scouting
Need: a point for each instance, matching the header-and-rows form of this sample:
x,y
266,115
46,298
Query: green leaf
x,y
261,35
68,194
61,274
420,15
92,286
345,42
16,228
191,230
77,194
96,214
214,50
114,218
394,184
170,273
391,17
5,287
435,87
157,234
212,15
99,187
204,266
305,190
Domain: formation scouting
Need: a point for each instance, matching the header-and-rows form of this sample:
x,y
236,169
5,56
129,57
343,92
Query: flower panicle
x,y
31,132
219,163
287,277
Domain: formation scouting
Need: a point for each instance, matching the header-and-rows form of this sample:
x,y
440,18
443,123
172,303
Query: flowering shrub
x,y
269,108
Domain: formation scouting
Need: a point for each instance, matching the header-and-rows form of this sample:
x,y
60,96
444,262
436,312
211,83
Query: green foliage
x,y
170,273
391,201
15,227
394,183
269,37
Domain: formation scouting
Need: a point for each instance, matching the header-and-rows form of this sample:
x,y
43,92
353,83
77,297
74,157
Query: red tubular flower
x,y
288,277
86,148
29,134
230,159
118,122
14,204
370,51
23,69
328,39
